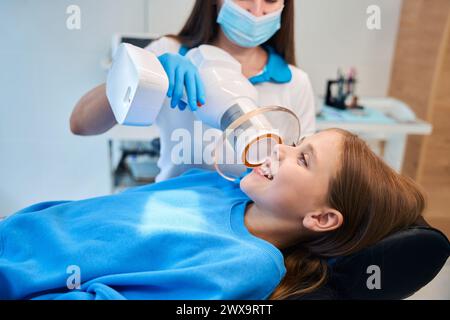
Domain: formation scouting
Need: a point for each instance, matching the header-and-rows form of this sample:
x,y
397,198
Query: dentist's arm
x,y
92,115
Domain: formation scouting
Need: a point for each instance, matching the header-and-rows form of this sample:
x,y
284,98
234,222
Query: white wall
x,y
333,34
175,15
45,68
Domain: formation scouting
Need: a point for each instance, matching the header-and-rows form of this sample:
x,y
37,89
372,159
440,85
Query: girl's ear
x,y
324,220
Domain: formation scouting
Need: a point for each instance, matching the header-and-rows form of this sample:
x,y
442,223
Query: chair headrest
x,y
406,260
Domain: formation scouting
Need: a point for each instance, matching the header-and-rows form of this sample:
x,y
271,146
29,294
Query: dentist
x,y
257,33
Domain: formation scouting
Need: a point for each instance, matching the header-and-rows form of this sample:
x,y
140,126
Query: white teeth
x,y
265,170
263,173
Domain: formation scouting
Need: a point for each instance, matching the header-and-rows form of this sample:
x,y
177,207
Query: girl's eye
x,y
302,159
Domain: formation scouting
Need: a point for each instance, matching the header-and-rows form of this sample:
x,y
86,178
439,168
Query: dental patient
x,y
199,236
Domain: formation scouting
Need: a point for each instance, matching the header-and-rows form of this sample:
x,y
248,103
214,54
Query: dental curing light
x,y
137,85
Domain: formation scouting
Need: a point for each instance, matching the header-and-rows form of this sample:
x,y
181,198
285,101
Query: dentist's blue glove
x,y
182,73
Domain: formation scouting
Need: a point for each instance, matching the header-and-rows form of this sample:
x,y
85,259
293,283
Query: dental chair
x,y
407,261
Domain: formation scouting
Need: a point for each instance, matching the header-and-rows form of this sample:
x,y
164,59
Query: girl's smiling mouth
x,y
264,171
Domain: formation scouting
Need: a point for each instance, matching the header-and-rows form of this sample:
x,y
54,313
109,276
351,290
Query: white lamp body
x,y
225,85
136,86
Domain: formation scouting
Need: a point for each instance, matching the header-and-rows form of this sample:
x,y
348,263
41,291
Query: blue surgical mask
x,y
245,29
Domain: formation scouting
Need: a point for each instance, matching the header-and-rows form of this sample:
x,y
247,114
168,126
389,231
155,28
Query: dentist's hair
x,y
374,200
202,28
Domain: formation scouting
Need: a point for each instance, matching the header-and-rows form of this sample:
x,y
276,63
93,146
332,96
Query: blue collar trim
x,y
183,50
276,69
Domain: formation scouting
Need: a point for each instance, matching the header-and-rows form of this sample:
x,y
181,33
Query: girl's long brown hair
x,y
202,28
374,200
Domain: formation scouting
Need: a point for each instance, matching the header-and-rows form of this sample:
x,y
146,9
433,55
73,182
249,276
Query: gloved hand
x,y
182,73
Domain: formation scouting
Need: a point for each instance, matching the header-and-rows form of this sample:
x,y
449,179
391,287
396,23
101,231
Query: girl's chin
x,y
252,182
249,182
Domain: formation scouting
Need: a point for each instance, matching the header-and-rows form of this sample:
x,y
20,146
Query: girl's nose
x,y
279,152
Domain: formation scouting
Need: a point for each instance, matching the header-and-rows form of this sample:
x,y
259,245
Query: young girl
x,y
199,236
257,33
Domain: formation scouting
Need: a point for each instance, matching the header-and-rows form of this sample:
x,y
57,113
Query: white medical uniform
x,y
295,94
